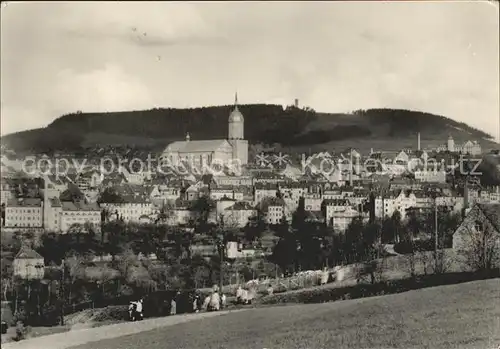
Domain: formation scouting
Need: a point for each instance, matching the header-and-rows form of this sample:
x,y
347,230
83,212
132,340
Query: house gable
x,y
486,215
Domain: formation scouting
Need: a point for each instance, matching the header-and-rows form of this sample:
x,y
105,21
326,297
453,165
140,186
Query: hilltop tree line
x,y
404,122
263,124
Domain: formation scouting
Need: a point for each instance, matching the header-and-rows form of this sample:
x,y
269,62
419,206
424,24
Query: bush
x,y
112,313
19,316
21,331
406,247
320,295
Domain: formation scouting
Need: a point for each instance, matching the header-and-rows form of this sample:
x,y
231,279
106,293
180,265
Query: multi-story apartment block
x,y
430,175
341,219
24,213
134,203
52,214
291,194
80,213
262,191
273,209
6,190
386,205
312,202
225,192
233,180
238,214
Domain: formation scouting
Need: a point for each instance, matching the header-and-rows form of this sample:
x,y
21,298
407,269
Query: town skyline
x,y
130,56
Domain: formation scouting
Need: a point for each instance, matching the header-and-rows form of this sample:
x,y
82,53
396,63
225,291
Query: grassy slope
x,y
457,316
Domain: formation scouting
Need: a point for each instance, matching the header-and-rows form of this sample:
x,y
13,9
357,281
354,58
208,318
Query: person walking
x,y
139,308
132,309
214,301
196,303
173,306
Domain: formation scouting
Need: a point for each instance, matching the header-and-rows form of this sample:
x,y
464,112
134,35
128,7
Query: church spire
x,y
236,100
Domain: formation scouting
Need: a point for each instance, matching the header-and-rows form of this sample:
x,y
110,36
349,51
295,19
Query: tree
x,y
254,228
110,196
413,224
165,214
397,225
75,267
125,263
411,256
285,253
202,208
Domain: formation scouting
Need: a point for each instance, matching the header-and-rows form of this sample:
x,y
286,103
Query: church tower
x,y
236,134
236,122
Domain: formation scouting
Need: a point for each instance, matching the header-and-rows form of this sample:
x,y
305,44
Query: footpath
x,y
83,336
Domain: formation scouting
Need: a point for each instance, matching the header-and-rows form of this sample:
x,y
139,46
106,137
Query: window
x,y
479,227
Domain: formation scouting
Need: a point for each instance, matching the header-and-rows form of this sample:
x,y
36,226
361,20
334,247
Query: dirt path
x,y
83,336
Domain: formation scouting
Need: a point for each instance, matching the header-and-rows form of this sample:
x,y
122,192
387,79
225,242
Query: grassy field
x,y
458,316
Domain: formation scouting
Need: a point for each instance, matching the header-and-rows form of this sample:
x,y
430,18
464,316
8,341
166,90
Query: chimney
x,y
418,141
296,103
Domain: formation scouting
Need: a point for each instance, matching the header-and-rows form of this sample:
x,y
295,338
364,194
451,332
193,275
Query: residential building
x,y
233,180
238,214
28,264
273,209
480,218
6,190
262,191
79,213
227,192
387,204
135,202
52,214
24,213
469,147
312,202
436,176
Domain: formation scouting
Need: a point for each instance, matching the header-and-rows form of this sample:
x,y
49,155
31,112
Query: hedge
x,y
328,294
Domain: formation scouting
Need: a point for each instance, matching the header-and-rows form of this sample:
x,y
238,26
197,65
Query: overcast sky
x,y
440,57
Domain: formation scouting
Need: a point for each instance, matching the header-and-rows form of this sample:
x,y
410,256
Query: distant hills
x,y
380,129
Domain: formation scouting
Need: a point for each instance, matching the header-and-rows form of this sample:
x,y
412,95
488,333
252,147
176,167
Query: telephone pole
x,y
61,292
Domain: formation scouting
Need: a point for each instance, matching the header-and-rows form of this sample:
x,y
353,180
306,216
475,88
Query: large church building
x,y
234,148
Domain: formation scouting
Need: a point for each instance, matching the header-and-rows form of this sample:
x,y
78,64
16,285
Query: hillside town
x,y
38,193
230,217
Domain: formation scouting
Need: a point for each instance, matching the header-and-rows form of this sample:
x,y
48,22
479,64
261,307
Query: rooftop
x,y
28,253
79,206
26,202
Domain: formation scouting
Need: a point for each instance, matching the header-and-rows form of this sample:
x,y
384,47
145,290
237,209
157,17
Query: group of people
x,y
135,310
213,302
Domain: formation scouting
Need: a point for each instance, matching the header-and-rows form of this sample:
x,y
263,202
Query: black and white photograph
x,y
250,174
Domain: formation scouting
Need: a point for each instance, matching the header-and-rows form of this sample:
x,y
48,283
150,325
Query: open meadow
x,y
458,316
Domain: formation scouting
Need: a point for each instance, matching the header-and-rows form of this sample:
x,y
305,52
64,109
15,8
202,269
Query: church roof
x,y
196,146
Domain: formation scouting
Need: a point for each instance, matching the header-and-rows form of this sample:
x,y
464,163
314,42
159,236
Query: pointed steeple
x,y
236,100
